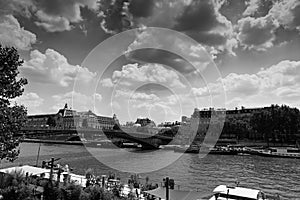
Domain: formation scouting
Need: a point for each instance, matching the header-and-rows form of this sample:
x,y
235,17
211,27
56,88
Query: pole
x,y
51,169
38,155
167,188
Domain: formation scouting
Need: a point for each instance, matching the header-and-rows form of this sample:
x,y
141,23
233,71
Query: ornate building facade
x,y
67,118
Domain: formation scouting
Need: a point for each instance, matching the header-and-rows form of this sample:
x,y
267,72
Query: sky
x,y
103,55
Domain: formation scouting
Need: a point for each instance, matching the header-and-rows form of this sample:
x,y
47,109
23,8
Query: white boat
x,y
223,192
288,152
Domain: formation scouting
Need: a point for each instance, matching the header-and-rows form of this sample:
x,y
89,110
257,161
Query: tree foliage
x,y
12,117
277,124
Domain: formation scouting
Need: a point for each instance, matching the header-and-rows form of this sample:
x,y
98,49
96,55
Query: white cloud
x,y
32,101
245,84
134,74
136,96
107,82
53,23
259,30
54,16
258,7
12,34
76,100
286,12
59,15
52,67
279,84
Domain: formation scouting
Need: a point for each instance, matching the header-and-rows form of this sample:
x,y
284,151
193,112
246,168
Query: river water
x,y
272,175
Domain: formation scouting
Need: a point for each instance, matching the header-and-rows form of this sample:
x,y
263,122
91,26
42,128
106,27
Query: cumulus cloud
x,y
257,33
269,21
199,19
134,74
168,48
12,34
53,23
76,100
258,8
58,15
277,83
53,16
52,67
136,96
106,82
32,101
286,12
203,21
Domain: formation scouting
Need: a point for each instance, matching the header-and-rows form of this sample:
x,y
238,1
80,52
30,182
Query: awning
x,y
26,169
175,194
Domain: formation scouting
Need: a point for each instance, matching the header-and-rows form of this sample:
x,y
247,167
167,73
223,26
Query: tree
x,y
12,117
279,123
262,123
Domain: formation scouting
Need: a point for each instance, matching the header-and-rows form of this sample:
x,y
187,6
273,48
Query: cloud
x,y
20,7
277,83
52,67
168,48
59,15
286,12
199,19
53,23
32,101
12,34
76,100
258,8
270,22
203,21
136,96
53,16
257,33
244,84
134,74
106,82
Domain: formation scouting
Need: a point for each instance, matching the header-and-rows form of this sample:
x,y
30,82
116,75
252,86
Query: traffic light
x,y
171,184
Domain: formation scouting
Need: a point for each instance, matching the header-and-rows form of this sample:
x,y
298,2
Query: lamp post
x,y
167,188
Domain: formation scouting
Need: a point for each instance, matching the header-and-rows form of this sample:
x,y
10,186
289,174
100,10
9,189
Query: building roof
x,y
26,169
237,191
175,194
41,115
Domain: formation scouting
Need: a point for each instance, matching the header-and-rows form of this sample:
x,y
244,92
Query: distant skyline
x,y
255,45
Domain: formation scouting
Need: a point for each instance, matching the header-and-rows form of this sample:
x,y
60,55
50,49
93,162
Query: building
x,y
205,115
107,122
145,122
43,121
67,118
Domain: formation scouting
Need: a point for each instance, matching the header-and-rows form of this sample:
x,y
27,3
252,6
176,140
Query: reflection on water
x,y
272,175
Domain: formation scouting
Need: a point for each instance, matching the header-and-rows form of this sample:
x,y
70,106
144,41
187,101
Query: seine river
x,y
272,175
